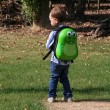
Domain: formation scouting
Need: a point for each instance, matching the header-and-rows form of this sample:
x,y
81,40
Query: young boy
x,y
58,68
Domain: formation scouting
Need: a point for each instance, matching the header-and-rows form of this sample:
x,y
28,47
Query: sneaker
x,y
68,99
51,99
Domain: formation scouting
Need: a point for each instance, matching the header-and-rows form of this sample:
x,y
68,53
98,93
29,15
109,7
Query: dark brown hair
x,y
58,13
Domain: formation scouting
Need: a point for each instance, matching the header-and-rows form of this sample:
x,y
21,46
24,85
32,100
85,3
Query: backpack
x,y
65,44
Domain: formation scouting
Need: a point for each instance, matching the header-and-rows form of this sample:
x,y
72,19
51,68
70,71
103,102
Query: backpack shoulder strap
x,y
60,28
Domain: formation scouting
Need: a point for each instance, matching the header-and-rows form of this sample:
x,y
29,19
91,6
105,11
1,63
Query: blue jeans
x,y
59,73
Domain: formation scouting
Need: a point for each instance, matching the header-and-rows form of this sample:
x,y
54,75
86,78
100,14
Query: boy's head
x,y
57,15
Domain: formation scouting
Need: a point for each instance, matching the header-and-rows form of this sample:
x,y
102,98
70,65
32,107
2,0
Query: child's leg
x,y
54,77
64,80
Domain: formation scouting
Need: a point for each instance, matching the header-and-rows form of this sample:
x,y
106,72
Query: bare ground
x,y
79,105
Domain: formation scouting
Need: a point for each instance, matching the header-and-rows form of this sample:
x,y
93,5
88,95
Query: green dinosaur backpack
x,y
65,44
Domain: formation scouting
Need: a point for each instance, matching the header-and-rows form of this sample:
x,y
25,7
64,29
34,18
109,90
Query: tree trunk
x,y
44,19
80,8
44,14
70,8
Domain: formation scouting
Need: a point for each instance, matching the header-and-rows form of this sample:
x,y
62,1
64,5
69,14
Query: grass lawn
x,y
24,76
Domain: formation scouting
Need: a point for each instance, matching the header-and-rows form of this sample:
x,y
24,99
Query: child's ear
x,y
56,20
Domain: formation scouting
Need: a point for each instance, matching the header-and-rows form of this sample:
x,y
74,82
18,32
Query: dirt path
x,y
81,105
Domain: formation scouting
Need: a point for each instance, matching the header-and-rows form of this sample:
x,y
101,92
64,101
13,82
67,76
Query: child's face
x,y
53,21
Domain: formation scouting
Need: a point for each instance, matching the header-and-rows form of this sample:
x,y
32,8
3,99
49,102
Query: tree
x,y
80,8
70,7
44,13
37,11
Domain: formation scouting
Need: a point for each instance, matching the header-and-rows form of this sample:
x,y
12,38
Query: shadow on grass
x,y
23,90
92,90
83,91
98,92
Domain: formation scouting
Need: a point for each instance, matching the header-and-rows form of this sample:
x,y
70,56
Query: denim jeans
x,y
59,73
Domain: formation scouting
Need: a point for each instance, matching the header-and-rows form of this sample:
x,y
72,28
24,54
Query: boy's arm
x,y
50,40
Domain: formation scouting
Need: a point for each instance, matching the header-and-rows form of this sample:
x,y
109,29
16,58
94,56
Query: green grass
x,y
24,76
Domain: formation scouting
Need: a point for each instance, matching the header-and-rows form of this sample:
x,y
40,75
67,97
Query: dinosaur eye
x,y
73,33
69,33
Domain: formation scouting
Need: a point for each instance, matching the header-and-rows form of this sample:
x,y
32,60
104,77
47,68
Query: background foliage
x,y
31,8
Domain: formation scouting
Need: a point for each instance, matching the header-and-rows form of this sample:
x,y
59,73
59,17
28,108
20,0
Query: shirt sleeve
x,y
50,40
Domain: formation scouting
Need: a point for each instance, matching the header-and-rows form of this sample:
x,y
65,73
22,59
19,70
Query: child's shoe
x,y
51,99
68,99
